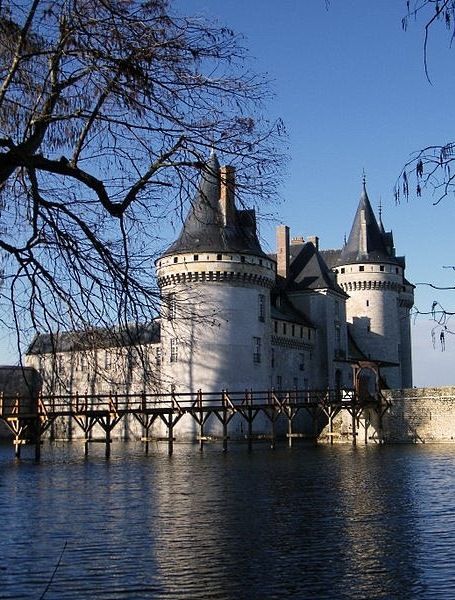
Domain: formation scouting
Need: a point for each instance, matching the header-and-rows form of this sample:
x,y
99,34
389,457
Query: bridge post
x,y
170,441
108,436
354,430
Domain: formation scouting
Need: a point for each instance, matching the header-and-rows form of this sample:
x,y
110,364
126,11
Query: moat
x,y
307,522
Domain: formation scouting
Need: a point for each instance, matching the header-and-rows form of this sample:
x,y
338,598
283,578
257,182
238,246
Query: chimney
x,y
227,194
282,250
314,240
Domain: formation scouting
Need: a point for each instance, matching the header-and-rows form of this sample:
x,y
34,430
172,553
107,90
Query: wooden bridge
x,y
30,418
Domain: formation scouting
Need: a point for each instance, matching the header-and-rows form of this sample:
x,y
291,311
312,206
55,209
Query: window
x,y
338,336
257,350
279,381
196,257
284,328
158,356
242,259
342,269
337,309
174,350
361,268
396,269
273,358
176,259
302,361
301,332
261,307
368,303
219,256
130,359
309,334
381,267
107,359
296,383
293,330
275,326
171,306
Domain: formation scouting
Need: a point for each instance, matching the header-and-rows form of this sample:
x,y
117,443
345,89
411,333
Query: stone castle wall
x,y
421,415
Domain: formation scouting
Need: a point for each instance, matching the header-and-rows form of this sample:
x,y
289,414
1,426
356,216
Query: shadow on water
x,y
310,522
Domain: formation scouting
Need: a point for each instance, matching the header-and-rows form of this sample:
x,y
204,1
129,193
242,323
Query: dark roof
x,y
71,341
204,229
331,257
366,242
287,312
308,270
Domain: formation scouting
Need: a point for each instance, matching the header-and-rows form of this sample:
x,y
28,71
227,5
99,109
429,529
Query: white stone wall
x,y
217,337
373,310
214,330
327,311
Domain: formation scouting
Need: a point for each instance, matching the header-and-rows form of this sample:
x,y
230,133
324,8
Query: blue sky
x,y
350,86
351,89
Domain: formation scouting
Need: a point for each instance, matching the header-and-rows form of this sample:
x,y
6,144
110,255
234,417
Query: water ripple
x,y
311,522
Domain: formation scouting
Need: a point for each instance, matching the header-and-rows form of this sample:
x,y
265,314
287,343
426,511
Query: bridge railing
x,y
79,403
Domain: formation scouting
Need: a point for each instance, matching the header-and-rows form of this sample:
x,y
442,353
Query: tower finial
x,y
380,208
364,178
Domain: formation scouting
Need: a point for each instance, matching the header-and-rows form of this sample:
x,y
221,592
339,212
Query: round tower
x,y
379,297
215,285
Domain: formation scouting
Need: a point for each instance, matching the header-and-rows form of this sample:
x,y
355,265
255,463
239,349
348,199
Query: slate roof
x,y
308,270
331,257
204,230
71,341
287,312
366,242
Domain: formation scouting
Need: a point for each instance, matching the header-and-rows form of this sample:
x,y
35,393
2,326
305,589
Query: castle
x,y
236,318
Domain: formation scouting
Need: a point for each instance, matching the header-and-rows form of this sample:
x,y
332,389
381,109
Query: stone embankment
x,y
420,415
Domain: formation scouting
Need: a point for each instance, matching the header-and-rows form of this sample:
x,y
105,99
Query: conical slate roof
x,y
366,242
204,229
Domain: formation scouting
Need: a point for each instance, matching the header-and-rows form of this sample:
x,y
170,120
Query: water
x,y
308,522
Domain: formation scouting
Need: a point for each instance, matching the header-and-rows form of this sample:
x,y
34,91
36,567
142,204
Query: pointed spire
x,y
381,225
366,241
206,229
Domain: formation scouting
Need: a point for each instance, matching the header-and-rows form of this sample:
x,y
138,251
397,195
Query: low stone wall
x,y
420,415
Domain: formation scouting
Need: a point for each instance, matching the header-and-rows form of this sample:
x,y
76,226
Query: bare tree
x,y
108,109
432,166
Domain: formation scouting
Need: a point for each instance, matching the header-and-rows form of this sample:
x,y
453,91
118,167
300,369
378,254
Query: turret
x,y
215,284
379,296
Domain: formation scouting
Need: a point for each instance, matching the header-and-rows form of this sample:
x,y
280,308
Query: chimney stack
x,y
227,194
282,250
314,240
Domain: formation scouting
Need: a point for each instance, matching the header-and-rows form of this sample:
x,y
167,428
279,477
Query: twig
x,y
54,572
